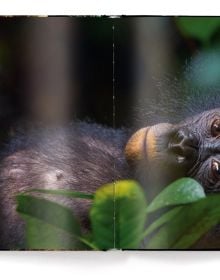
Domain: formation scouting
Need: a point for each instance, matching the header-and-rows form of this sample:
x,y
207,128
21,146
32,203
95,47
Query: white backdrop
x,y
110,265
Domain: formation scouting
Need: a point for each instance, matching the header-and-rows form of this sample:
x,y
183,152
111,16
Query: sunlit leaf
x,y
182,191
118,215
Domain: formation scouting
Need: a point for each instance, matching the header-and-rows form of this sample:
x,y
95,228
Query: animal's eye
x,y
216,169
215,128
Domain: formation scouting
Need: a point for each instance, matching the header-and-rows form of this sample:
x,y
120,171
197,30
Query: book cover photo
x,y
109,133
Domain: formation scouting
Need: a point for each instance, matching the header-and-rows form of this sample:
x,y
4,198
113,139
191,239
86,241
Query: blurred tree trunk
x,y
51,88
154,58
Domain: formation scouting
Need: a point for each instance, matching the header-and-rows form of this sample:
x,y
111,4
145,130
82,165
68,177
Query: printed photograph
x,y
109,133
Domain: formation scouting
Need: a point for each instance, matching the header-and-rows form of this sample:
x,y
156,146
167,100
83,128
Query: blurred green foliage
x,y
204,70
49,225
187,225
202,37
200,28
121,218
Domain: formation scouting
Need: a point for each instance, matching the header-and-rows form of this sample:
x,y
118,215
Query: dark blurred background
x,y
58,69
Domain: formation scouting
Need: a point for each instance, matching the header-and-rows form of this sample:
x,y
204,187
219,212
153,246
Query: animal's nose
x,y
184,144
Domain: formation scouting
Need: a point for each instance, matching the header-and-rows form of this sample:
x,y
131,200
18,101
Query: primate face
x,y
206,131
191,148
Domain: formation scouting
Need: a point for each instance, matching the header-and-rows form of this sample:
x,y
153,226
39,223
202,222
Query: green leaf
x,y
118,216
67,193
48,224
43,236
201,28
188,225
182,191
163,219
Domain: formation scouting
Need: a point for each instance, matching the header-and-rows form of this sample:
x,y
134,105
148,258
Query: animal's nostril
x,y
178,137
184,145
185,138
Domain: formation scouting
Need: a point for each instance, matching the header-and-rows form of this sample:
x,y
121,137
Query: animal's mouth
x,y
149,143
136,148
184,144
162,148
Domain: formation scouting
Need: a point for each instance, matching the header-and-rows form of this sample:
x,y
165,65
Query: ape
x,y
83,156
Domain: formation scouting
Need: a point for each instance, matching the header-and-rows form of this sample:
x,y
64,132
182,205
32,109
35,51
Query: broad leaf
x,y
118,216
48,224
188,225
182,191
163,219
44,236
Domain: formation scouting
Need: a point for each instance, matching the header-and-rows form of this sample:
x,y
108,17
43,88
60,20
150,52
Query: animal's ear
x,y
148,143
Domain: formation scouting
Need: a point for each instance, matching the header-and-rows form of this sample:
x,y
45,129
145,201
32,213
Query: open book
x,y
110,133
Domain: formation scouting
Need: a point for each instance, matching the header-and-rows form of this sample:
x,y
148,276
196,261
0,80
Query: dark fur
x,y
80,157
